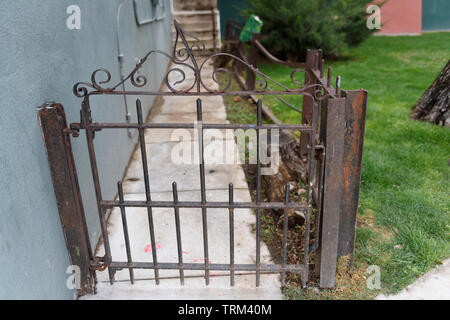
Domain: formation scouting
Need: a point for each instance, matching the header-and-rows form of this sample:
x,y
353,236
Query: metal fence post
x,y
333,190
355,118
253,60
68,197
311,63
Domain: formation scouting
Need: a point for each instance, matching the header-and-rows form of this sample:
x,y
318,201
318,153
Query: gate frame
x,y
56,136
337,143
343,138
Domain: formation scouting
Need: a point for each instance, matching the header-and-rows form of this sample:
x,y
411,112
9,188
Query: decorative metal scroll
x,y
184,56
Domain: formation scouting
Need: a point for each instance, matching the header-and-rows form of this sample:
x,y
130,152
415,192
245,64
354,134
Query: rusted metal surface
x,y
65,183
333,190
311,64
252,60
232,32
355,117
274,59
186,56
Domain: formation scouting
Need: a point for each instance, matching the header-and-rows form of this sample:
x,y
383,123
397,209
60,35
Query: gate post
x,y
355,117
252,60
311,63
68,197
333,190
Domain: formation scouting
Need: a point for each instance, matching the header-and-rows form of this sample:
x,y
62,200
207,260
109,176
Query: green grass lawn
x,y
405,189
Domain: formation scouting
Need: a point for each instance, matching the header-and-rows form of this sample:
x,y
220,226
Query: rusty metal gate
x,y
332,133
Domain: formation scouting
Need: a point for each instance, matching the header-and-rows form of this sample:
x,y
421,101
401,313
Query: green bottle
x,y
253,25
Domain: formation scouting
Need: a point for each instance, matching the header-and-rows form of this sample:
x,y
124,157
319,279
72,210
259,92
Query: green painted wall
x,y
435,15
229,10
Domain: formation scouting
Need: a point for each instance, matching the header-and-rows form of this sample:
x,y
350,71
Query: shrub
x,y
292,26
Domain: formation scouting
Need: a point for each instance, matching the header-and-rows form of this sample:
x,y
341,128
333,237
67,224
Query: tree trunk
x,y
291,168
433,106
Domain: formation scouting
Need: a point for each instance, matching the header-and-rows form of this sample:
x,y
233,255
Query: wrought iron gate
x,y
325,134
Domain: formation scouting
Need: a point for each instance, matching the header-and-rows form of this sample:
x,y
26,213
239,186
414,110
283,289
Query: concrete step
x,y
197,18
199,33
202,13
200,25
207,24
209,46
207,40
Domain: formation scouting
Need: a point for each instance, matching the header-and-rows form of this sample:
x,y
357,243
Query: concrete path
x,y
163,146
434,285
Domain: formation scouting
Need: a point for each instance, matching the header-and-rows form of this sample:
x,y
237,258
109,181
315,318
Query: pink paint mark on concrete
x,y
185,252
149,247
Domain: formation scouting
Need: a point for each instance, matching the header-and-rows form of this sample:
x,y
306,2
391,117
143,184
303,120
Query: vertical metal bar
x,y
332,195
322,65
231,218
191,55
329,75
213,18
252,59
311,168
285,233
355,117
317,59
318,222
87,121
258,193
307,101
227,30
67,191
178,232
203,191
147,189
319,197
125,230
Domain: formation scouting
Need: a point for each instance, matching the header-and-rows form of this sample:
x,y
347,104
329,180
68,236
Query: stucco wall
x,y
40,60
401,17
229,10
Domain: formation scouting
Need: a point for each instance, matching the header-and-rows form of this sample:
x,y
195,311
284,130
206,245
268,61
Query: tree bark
x,y
433,106
291,168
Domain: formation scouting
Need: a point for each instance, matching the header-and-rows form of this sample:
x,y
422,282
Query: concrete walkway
x,y
434,285
163,146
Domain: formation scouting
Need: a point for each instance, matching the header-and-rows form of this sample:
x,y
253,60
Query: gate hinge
x,y
74,132
98,264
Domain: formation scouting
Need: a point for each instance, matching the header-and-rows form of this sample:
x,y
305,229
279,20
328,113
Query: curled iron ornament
x,y
296,82
184,53
184,58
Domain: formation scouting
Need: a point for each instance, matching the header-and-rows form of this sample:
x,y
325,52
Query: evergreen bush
x,y
292,26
